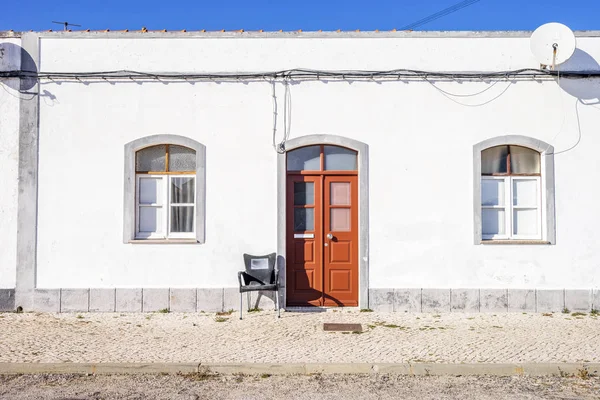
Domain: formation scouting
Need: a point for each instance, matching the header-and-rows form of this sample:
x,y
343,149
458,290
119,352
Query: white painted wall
x,y
420,143
9,161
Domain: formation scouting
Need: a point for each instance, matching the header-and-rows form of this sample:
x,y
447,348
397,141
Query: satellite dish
x,y
552,44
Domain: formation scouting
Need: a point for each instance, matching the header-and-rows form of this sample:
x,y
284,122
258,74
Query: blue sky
x,y
293,15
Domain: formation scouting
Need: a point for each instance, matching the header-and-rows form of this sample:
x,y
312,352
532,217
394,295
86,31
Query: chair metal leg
x,y
241,302
278,308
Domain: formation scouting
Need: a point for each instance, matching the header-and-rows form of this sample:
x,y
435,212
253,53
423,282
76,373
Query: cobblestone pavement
x,y
298,337
322,387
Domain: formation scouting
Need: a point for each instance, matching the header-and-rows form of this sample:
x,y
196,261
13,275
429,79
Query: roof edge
x,y
280,34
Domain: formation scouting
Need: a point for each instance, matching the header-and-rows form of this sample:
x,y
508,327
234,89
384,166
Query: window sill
x,y
163,241
507,241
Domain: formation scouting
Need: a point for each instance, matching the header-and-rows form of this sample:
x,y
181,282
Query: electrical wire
x,y
448,95
525,73
562,107
276,146
309,74
33,95
461,95
287,116
578,131
287,113
439,14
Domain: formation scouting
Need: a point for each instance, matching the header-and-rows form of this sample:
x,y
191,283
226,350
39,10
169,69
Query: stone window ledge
x,y
164,241
515,242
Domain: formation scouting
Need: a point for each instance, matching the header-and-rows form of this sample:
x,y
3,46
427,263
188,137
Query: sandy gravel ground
x,y
361,387
299,337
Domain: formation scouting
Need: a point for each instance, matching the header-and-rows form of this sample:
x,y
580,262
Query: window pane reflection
x,y
524,160
304,159
304,193
493,222
493,160
340,219
339,193
525,222
304,219
339,159
492,192
181,159
151,159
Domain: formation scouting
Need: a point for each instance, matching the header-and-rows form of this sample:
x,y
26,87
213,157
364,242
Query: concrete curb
x,y
421,369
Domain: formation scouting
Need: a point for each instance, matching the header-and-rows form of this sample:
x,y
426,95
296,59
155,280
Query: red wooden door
x,y
340,227
322,240
304,270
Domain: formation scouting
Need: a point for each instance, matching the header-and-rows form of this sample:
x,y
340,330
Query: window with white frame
x,y
165,192
511,195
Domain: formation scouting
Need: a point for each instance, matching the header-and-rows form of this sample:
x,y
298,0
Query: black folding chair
x,y
260,275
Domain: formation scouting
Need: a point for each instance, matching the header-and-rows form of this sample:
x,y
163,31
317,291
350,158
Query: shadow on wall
x,y
10,52
586,90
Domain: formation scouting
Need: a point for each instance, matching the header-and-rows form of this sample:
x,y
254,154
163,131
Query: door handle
x,y
329,236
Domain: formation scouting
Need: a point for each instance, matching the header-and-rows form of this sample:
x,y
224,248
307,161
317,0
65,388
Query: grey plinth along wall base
x,y
386,300
140,300
483,300
7,299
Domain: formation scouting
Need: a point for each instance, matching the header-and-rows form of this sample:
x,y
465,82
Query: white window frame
x,y
130,150
166,205
547,187
509,207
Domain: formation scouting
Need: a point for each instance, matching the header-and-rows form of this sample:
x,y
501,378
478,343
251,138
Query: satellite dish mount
x,y
552,44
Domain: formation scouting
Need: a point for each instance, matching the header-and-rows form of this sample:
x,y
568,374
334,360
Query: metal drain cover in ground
x,y
331,327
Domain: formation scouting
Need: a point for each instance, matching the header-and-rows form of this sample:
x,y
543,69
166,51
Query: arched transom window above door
x,y
511,193
322,158
165,192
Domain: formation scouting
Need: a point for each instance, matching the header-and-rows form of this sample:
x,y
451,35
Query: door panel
x,y
340,263
322,271
304,270
340,251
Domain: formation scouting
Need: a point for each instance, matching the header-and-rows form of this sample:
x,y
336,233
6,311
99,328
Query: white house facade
x,y
397,171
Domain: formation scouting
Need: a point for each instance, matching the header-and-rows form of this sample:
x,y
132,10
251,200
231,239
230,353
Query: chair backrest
x,y
261,267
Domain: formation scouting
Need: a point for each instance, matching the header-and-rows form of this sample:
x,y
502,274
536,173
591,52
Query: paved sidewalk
x,y
307,387
299,338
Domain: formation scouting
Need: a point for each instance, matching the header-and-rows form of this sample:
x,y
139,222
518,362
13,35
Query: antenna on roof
x,y
552,44
66,24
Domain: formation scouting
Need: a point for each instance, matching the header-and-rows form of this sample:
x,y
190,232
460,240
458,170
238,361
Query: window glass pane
x,y
492,192
182,219
525,192
182,190
339,159
150,191
150,219
525,222
304,159
151,159
493,221
304,219
493,160
340,219
181,159
304,193
339,193
524,160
